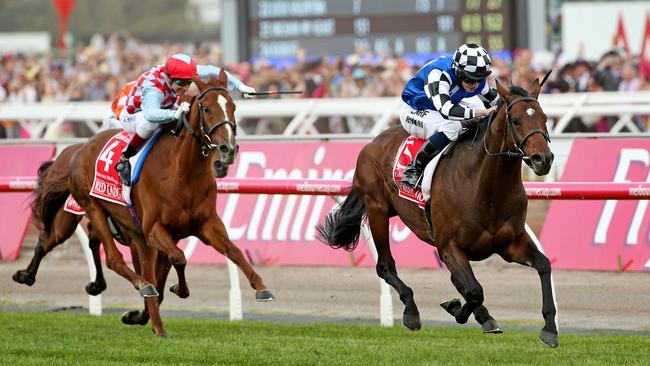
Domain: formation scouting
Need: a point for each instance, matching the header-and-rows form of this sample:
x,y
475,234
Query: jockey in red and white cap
x,y
149,101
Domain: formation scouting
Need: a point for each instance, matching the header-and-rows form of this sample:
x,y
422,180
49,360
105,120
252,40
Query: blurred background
x,y
60,51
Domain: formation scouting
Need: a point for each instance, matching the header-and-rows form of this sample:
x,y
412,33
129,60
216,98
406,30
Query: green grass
x,y
75,339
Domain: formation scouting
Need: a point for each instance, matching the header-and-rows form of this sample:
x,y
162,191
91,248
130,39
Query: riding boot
x,y
123,165
412,176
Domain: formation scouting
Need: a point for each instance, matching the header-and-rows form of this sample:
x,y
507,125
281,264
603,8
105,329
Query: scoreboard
x,y
279,28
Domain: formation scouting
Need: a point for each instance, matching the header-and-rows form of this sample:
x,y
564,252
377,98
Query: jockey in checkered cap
x,y
435,102
150,101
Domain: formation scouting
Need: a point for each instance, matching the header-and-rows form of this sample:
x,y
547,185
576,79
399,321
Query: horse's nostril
x,y
536,159
224,149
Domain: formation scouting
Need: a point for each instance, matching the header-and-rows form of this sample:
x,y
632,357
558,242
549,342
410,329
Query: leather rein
x,y
203,139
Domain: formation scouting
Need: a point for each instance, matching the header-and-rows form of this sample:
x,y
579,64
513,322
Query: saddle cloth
x,y
406,152
107,184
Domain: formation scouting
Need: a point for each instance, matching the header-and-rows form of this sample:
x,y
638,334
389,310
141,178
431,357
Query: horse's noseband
x,y
205,141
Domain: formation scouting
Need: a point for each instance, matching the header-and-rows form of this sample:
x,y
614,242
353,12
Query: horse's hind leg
x,y
463,278
378,221
97,286
63,227
214,234
526,253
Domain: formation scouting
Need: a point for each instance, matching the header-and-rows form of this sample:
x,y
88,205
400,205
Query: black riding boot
x,y
413,173
123,166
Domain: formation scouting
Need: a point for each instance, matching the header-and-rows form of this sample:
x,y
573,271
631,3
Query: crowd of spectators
x,y
95,71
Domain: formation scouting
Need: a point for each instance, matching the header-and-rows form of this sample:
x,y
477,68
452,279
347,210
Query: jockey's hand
x,y
246,89
183,108
484,112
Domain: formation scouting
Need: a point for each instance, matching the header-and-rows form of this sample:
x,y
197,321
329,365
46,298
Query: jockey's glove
x,y
246,89
183,108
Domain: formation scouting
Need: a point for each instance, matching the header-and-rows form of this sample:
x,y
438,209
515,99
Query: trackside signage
x,y
607,235
280,229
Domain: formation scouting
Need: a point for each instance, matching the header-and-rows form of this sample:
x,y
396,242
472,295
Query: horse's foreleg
x,y
214,234
378,222
148,259
526,253
463,278
162,240
63,227
481,313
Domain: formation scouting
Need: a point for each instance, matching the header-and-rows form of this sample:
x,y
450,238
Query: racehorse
x,y
477,207
57,225
175,197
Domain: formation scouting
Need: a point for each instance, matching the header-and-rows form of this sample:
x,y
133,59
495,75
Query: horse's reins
x,y
204,141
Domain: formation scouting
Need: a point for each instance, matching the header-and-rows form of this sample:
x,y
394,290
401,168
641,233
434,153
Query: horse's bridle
x,y
519,152
204,140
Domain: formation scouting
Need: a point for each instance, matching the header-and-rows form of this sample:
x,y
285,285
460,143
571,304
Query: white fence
x,y
44,120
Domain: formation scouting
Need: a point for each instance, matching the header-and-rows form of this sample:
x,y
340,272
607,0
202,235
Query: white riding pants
x,y
136,123
423,123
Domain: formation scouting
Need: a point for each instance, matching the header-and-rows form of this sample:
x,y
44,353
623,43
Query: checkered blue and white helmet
x,y
472,61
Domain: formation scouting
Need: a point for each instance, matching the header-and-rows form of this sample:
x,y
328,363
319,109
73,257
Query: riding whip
x,y
272,92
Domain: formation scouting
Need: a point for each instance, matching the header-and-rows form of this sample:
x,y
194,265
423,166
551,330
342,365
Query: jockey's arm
x,y
489,96
152,99
437,89
205,71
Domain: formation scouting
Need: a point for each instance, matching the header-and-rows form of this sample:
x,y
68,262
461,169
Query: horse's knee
x,y
178,259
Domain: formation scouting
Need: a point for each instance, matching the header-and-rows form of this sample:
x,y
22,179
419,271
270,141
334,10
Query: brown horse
x,y
57,225
477,208
175,197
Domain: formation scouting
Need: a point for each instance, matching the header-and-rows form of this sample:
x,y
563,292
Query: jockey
x,y
434,103
150,99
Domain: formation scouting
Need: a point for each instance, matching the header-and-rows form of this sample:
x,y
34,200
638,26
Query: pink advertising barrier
x,y
14,210
604,235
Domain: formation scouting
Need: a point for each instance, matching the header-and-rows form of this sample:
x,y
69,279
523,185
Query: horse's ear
x,y
503,92
223,77
199,83
536,88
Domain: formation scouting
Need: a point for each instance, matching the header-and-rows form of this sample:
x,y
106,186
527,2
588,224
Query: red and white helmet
x,y
181,66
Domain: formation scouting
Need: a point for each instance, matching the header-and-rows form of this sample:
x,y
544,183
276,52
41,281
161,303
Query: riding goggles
x,y
182,82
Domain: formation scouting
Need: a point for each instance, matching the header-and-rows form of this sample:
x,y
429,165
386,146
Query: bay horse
x,y
175,197
477,207
56,225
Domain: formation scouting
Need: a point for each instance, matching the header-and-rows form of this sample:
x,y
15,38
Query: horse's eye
x,y
205,109
515,122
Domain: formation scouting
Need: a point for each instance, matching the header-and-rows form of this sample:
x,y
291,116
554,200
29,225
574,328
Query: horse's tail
x,y
342,226
48,197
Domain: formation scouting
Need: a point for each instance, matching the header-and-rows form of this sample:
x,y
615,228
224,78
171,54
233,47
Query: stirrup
x,y
123,168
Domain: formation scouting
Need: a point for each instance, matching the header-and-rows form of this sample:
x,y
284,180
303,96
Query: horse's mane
x,y
475,134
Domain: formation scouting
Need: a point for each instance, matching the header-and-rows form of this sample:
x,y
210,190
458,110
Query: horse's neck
x,y
498,174
191,165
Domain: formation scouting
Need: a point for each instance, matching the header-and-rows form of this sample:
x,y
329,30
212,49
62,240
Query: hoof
x,y
23,277
134,317
264,296
548,339
94,288
491,327
452,306
412,321
148,291
174,289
